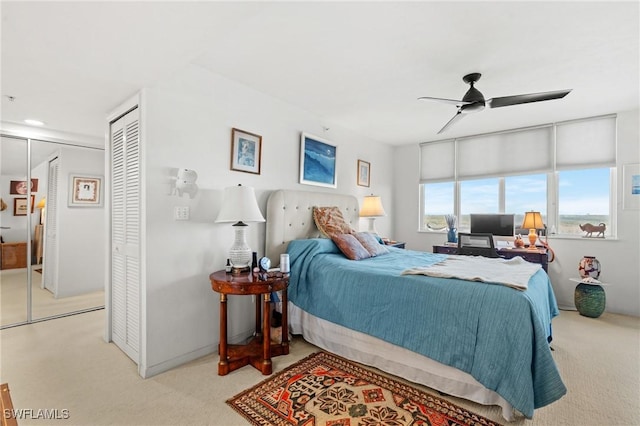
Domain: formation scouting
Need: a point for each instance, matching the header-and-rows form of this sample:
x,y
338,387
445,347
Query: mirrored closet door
x,y
59,236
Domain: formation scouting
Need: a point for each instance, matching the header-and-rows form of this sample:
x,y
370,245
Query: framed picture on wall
x,y
19,187
364,169
631,187
317,161
85,191
246,151
20,206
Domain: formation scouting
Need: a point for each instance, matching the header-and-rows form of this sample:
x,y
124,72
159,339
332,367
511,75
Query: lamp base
x,y
372,226
240,253
533,237
237,270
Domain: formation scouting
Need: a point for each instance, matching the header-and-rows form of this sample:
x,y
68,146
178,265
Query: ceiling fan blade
x,y
455,118
446,101
527,98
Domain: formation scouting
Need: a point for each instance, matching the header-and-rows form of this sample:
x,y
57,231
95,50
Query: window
x,y
583,197
524,194
437,202
568,177
478,196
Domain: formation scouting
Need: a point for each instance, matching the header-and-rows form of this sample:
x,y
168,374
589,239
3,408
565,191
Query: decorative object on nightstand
x,y
518,242
451,228
239,205
396,244
372,208
532,221
589,267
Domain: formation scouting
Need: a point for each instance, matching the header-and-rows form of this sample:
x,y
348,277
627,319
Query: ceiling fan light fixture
x,y
473,100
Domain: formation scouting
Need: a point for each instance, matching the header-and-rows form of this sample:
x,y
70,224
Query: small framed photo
x,y
364,169
20,206
85,191
19,187
631,187
317,161
246,151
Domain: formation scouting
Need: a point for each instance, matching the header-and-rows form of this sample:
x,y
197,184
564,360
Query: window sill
x,y
581,238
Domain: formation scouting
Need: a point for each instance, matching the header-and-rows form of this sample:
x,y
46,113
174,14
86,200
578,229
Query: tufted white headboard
x,y
290,217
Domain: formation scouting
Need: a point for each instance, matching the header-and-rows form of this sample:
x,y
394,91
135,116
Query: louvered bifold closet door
x,y
50,258
125,233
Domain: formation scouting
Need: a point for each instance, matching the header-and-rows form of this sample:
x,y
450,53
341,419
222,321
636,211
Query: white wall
x,y
620,257
80,232
187,123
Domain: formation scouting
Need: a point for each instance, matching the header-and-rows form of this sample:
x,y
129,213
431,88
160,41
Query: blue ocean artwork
x,y
246,153
635,184
319,162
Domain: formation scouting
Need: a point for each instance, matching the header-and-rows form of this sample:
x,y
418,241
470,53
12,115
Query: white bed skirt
x,y
393,359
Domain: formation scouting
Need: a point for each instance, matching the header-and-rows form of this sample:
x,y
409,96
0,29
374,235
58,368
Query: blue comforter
x,y
495,333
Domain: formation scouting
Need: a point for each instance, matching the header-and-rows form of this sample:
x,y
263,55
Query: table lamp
x,y
532,221
239,205
41,205
372,208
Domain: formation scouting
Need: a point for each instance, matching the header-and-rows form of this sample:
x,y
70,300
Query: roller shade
x,y
586,143
506,153
437,161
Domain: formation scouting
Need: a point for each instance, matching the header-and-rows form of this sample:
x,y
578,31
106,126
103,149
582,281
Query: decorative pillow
x,y
330,221
350,246
371,244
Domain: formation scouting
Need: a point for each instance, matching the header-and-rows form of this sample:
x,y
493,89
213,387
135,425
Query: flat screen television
x,y
500,225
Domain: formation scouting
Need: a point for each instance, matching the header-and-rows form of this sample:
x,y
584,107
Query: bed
x,y
482,342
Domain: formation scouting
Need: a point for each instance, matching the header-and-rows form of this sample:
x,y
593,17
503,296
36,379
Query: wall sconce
x,y
184,182
372,208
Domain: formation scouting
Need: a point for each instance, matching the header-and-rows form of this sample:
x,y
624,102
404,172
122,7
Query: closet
x,y
125,233
53,258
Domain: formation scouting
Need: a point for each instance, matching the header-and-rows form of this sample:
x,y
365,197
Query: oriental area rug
x,y
324,389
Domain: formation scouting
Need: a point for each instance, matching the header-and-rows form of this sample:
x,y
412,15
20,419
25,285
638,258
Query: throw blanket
x,y
514,272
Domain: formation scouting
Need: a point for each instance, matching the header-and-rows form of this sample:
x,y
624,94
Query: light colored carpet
x,y
13,298
65,364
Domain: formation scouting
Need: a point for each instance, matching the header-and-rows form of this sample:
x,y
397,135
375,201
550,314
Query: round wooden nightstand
x,y
260,349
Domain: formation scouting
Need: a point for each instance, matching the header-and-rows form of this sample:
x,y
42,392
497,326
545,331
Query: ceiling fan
x,y
473,100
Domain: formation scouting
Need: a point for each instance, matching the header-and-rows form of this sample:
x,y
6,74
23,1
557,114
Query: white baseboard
x,y
169,364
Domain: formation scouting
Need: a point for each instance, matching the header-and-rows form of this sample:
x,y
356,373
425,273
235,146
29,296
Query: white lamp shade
x,y
239,205
372,207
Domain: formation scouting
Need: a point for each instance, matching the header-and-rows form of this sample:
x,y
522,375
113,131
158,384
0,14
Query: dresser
x,y
13,255
534,256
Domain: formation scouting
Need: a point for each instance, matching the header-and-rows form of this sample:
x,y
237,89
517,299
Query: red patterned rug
x,y
324,389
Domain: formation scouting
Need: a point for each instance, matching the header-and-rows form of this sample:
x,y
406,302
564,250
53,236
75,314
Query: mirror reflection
x,y
66,254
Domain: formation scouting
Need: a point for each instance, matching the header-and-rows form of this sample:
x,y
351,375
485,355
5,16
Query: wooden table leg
x,y
258,317
285,322
223,364
266,335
